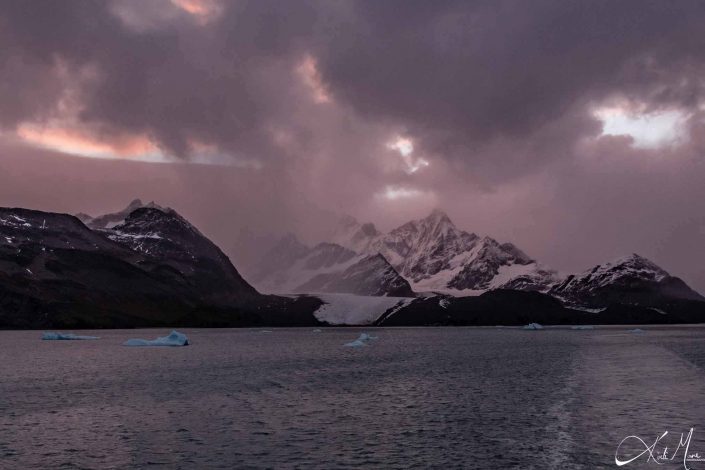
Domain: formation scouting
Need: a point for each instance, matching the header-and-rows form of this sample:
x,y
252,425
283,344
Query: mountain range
x,y
148,266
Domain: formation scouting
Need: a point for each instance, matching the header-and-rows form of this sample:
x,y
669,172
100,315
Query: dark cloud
x,y
498,96
461,74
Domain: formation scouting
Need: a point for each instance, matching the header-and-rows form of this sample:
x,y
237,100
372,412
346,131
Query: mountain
x,y
153,269
354,235
372,275
291,266
171,241
632,280
434,255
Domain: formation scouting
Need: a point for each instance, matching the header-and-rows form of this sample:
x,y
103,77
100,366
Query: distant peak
x,y
369,229
633,258
632,262
289,240
438,213
439,216
135,204
138,204
346,220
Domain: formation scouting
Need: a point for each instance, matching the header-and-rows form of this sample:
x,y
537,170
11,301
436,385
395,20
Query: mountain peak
x,y
636,261
110,220
137,202
438,215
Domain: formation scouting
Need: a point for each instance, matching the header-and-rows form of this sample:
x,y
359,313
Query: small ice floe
x,y
582,327
56,336
533,326
174,339
361,341
316,331
637,331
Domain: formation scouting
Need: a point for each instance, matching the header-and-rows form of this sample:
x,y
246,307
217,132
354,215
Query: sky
x,y
574,129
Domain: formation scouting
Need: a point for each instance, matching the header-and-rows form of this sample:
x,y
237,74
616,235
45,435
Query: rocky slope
x,y
171,242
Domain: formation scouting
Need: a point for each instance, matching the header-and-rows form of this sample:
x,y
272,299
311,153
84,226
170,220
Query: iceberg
x,y
316,331
361,341
57,336
533,326
174,339
637,331
582,327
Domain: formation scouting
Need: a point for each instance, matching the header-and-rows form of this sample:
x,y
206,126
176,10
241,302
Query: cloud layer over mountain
x,y
574,129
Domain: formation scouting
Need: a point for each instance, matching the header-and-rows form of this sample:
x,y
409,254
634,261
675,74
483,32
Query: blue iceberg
x,y
361,341
57,336
174,339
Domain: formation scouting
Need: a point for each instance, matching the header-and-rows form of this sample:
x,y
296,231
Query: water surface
x,y
414,398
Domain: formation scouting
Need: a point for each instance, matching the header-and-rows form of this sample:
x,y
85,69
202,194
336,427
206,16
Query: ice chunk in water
x,y
582,327
361,341
57,336
533,326
637,331
174,339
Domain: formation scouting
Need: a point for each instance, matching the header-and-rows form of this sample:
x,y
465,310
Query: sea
x,y
437,397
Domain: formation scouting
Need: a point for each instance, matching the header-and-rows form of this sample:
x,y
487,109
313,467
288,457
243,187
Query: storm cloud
x,y
502,107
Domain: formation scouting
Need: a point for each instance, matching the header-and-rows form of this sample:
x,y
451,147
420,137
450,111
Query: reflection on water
x,y
425,397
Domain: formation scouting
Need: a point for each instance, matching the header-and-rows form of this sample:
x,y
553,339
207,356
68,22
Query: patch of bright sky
x,y
133,148
405,147
649,130
308,71
76,143
399,192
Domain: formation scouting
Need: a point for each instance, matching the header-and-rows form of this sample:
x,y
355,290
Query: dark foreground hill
x,y
153,269
512,307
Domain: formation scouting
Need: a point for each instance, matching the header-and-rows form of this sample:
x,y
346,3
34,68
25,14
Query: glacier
x,y
351,309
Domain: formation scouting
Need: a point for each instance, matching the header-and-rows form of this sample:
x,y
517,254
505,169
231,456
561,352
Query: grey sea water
x,y
293,398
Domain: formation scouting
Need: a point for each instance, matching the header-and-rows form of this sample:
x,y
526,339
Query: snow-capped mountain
x,y
629,280
434,255
293,267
